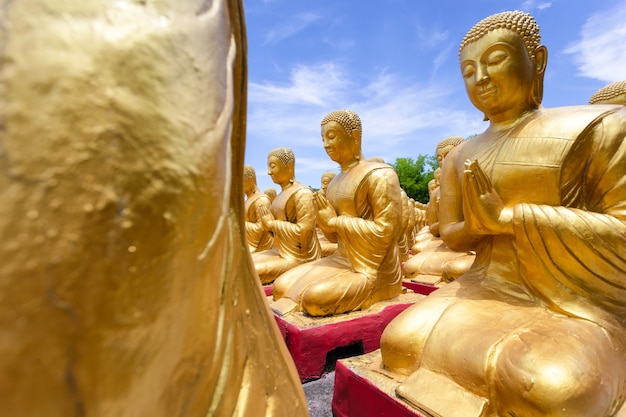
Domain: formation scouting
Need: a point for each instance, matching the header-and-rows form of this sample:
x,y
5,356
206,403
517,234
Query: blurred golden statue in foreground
x,y
614,93
291,221
362,210
259,239
536,326
127,288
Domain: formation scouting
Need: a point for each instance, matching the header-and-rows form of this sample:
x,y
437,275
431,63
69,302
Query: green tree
x,y
414,175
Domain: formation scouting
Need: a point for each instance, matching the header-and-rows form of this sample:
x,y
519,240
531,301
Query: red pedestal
x,y
419,287
267,289
309,340
356,396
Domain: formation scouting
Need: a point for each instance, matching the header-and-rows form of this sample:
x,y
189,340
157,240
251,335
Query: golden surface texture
x,y
361,211
125,283
536,326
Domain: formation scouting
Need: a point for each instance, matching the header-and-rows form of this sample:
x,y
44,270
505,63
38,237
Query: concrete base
x,y
363,388
316,342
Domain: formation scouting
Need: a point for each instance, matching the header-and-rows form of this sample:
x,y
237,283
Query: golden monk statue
x,y
127,288
536,326
614,93
432,260
271,193
327,177
362,209
259,239
328,246
291,221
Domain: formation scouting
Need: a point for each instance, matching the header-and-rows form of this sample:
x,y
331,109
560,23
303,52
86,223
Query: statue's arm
x,y
384,202
305,212
451,211
582,242
254,227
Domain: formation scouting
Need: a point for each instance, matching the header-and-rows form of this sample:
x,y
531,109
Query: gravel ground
x,y
319,395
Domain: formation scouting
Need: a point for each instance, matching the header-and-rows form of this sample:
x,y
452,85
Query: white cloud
x,y
600,52
530,5
316,84
400,117
291,27
442,57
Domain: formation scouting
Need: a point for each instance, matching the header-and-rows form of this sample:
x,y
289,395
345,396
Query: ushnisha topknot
x,y
348,119
608,92
519,22
285,155
450,141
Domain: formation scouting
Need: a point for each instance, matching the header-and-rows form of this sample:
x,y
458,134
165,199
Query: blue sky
x,y
395,63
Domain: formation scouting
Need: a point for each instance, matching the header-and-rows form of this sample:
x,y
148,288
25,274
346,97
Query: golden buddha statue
x,y
433,261
259,239
127,287
327,177
291,221
536,326
614,93
271,193
328,246
362,209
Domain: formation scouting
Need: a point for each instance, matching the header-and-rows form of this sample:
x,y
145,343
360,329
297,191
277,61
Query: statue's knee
x,y
279,288
401,347
319,300
559,375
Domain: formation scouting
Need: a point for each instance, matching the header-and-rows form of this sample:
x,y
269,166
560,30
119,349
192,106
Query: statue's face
x,y
337,143
498,74
248,185
279,173
442,152
325,182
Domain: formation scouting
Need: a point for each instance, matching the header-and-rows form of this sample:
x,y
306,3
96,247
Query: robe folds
x,y
258,238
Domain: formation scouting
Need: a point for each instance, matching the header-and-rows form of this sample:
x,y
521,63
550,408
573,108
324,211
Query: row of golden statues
x,y
127,282
525,223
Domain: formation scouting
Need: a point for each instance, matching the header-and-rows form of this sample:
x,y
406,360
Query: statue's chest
x,y
343,199
526,169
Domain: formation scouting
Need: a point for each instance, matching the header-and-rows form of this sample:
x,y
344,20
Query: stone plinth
x,y
313,341
363,388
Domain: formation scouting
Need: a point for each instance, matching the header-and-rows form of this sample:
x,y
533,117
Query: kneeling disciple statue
x,y
258,238
536,326
362,209
291,221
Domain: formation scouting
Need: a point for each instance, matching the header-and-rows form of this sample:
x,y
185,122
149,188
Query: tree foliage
x,y
414,175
